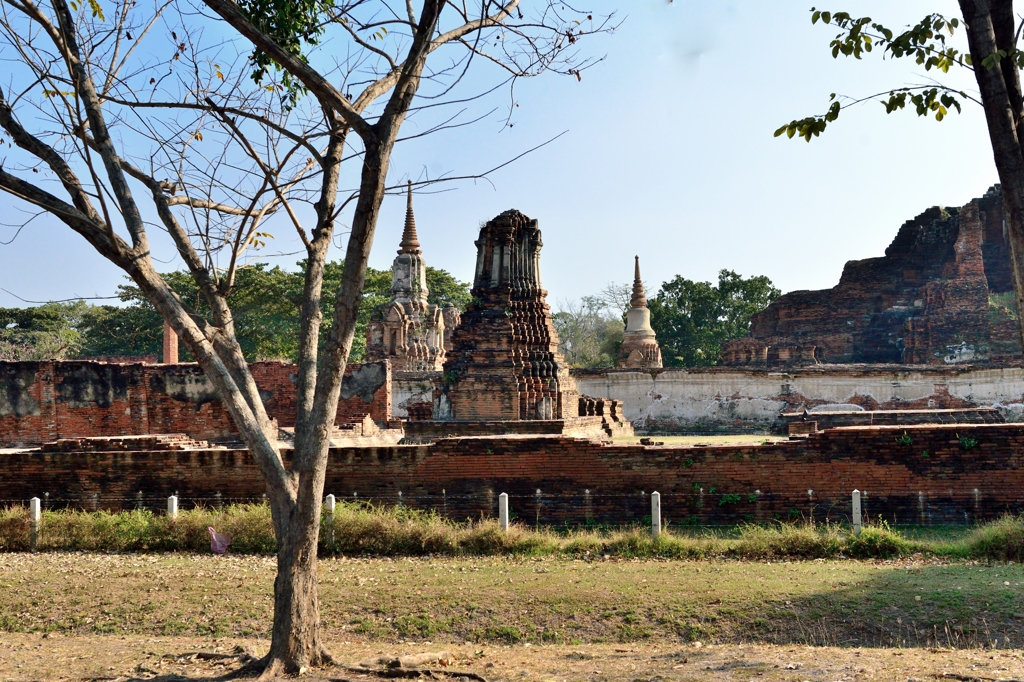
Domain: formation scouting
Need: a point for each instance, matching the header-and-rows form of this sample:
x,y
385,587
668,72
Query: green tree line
x,y
691,319
265,301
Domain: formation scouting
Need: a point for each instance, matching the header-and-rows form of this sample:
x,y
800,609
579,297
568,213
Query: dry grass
x,y
362,529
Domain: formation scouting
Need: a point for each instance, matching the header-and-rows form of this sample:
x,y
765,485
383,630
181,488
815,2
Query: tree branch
x,y
312,79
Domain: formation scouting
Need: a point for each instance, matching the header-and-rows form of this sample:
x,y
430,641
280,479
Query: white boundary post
x,y
34,520
172,507
503,512
655,514
856,512
329,503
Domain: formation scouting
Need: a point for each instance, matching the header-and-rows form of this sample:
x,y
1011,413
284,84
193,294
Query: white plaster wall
x,y
404,391
729,399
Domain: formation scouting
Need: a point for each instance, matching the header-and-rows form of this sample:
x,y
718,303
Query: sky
x,y
666,152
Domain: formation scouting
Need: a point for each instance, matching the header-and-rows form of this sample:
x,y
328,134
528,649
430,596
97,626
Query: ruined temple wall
x,y
555,479
43,401
726,399
925,302
411,387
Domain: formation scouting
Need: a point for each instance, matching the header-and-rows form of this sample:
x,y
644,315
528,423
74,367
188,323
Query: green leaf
x,y
97,11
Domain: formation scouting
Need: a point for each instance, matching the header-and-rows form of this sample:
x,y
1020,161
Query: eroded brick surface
x,y
504,363
925,302
43,401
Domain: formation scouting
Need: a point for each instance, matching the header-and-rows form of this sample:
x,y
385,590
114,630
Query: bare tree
x,y
216,154
590,330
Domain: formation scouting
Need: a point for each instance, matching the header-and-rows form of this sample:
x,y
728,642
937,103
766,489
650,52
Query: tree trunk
x,y
990,27
296,641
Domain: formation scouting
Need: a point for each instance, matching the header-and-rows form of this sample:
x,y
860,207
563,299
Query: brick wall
x,y
581,480
43,401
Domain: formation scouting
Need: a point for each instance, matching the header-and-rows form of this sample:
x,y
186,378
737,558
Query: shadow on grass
x,y
955,606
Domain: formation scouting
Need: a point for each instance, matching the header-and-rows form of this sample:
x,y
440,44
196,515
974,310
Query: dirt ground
x,y
113,658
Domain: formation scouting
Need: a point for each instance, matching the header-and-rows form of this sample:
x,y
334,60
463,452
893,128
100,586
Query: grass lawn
x,y
497,600
133,616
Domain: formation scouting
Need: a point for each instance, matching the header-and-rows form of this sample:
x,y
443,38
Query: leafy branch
x,y
925,42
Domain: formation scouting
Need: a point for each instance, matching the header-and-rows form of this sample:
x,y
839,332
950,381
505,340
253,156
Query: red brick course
x,y
580,480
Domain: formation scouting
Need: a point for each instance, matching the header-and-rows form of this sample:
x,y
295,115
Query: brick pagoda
x,y
504,364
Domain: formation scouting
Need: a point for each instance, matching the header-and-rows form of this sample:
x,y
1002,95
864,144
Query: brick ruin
x,y
927,301
972,472
504,364
45,401
108,430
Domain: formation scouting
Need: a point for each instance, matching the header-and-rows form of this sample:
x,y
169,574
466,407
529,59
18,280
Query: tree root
x,y
251,667
266,668
412,673
241,654
324,658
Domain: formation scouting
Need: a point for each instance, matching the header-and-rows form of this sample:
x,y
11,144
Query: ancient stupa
x,y
639,347
504,362
409,331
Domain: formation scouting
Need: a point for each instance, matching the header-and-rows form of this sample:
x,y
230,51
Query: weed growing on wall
x,y
966,442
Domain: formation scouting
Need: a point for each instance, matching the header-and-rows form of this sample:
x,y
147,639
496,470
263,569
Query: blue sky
x,y
667,153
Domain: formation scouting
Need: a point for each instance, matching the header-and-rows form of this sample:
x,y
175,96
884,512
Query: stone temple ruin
x,y
504,366
447,415
505,363
927,301
410,332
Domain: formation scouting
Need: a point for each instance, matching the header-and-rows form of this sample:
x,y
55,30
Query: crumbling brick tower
x,y
504,362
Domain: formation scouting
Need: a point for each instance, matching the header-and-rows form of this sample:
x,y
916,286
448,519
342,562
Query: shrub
x,y
1002,539
879,542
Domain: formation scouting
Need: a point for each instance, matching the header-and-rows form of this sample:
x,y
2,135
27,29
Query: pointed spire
x,y
410,243
639,300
